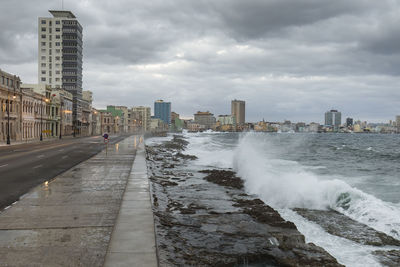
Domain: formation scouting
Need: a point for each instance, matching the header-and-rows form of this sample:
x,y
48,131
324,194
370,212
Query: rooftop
x,y
62,14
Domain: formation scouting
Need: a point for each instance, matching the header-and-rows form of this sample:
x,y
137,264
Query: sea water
x,y
357,175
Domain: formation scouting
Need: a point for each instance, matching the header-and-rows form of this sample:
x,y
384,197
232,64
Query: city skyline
x,y
200,56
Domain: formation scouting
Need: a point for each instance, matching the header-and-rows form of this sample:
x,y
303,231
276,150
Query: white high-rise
x,y
60,56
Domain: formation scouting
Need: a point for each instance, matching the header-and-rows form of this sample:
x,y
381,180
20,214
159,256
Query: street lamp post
x,y
61,114
41,118
8,117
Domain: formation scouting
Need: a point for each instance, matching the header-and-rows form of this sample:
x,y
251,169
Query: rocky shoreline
x,y
204,218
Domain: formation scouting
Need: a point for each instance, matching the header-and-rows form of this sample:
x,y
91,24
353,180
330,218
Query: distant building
x,y
349,122
333,118
398,123
238,110
144,117
314,127
86,104
226,120
206,120
162,111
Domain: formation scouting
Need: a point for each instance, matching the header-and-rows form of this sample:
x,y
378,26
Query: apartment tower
x,y
238,109
333,118
60,57
162,111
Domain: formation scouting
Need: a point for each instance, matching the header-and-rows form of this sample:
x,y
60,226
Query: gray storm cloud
x,y
288,59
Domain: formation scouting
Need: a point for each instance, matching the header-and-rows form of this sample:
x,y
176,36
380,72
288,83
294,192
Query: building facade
x,y
144,114
162,111
11,107
60,57
238,110
206,120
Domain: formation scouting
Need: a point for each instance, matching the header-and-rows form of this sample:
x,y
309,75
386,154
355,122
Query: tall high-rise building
x,y
333,118
238,109
162,111
60,56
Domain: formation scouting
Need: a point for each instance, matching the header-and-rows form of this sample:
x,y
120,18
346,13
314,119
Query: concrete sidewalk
x,y
133,238
68,221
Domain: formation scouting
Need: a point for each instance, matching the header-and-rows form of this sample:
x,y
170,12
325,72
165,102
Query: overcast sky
x,y
290,59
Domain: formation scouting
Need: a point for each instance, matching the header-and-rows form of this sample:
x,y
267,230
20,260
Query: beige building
x,y
86,125
107,123
124,120
96,122
32,108
10,107
238,110
206,120
144,117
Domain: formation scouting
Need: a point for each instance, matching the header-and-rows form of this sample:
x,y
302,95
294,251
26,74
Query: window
x,y
43,22
57,79
43,50
43,79
57,58
43,65
43,29
57,43
58,50
43,35
57,22
57,72
57,36
43,72
58,29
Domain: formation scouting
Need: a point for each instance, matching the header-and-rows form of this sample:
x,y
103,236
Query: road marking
x,y
64,157
38,166
3,165
40,156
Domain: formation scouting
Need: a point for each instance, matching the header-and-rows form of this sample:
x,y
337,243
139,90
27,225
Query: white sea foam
x,y
288,184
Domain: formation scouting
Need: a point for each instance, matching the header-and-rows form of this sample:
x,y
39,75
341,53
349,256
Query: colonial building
x,y
206,120
33,108
87,98
10,109
107,122
144,117
96,122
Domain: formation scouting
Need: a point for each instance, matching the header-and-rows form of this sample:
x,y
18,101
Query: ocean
x,y
357,175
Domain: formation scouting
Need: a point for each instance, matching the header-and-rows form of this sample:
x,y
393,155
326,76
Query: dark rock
x,y
224,178
389,258
183,156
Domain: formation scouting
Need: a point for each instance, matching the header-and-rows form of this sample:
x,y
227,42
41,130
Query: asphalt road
x,y
25,166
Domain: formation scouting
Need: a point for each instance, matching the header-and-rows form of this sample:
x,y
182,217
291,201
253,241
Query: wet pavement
x,y
133,238
68,221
